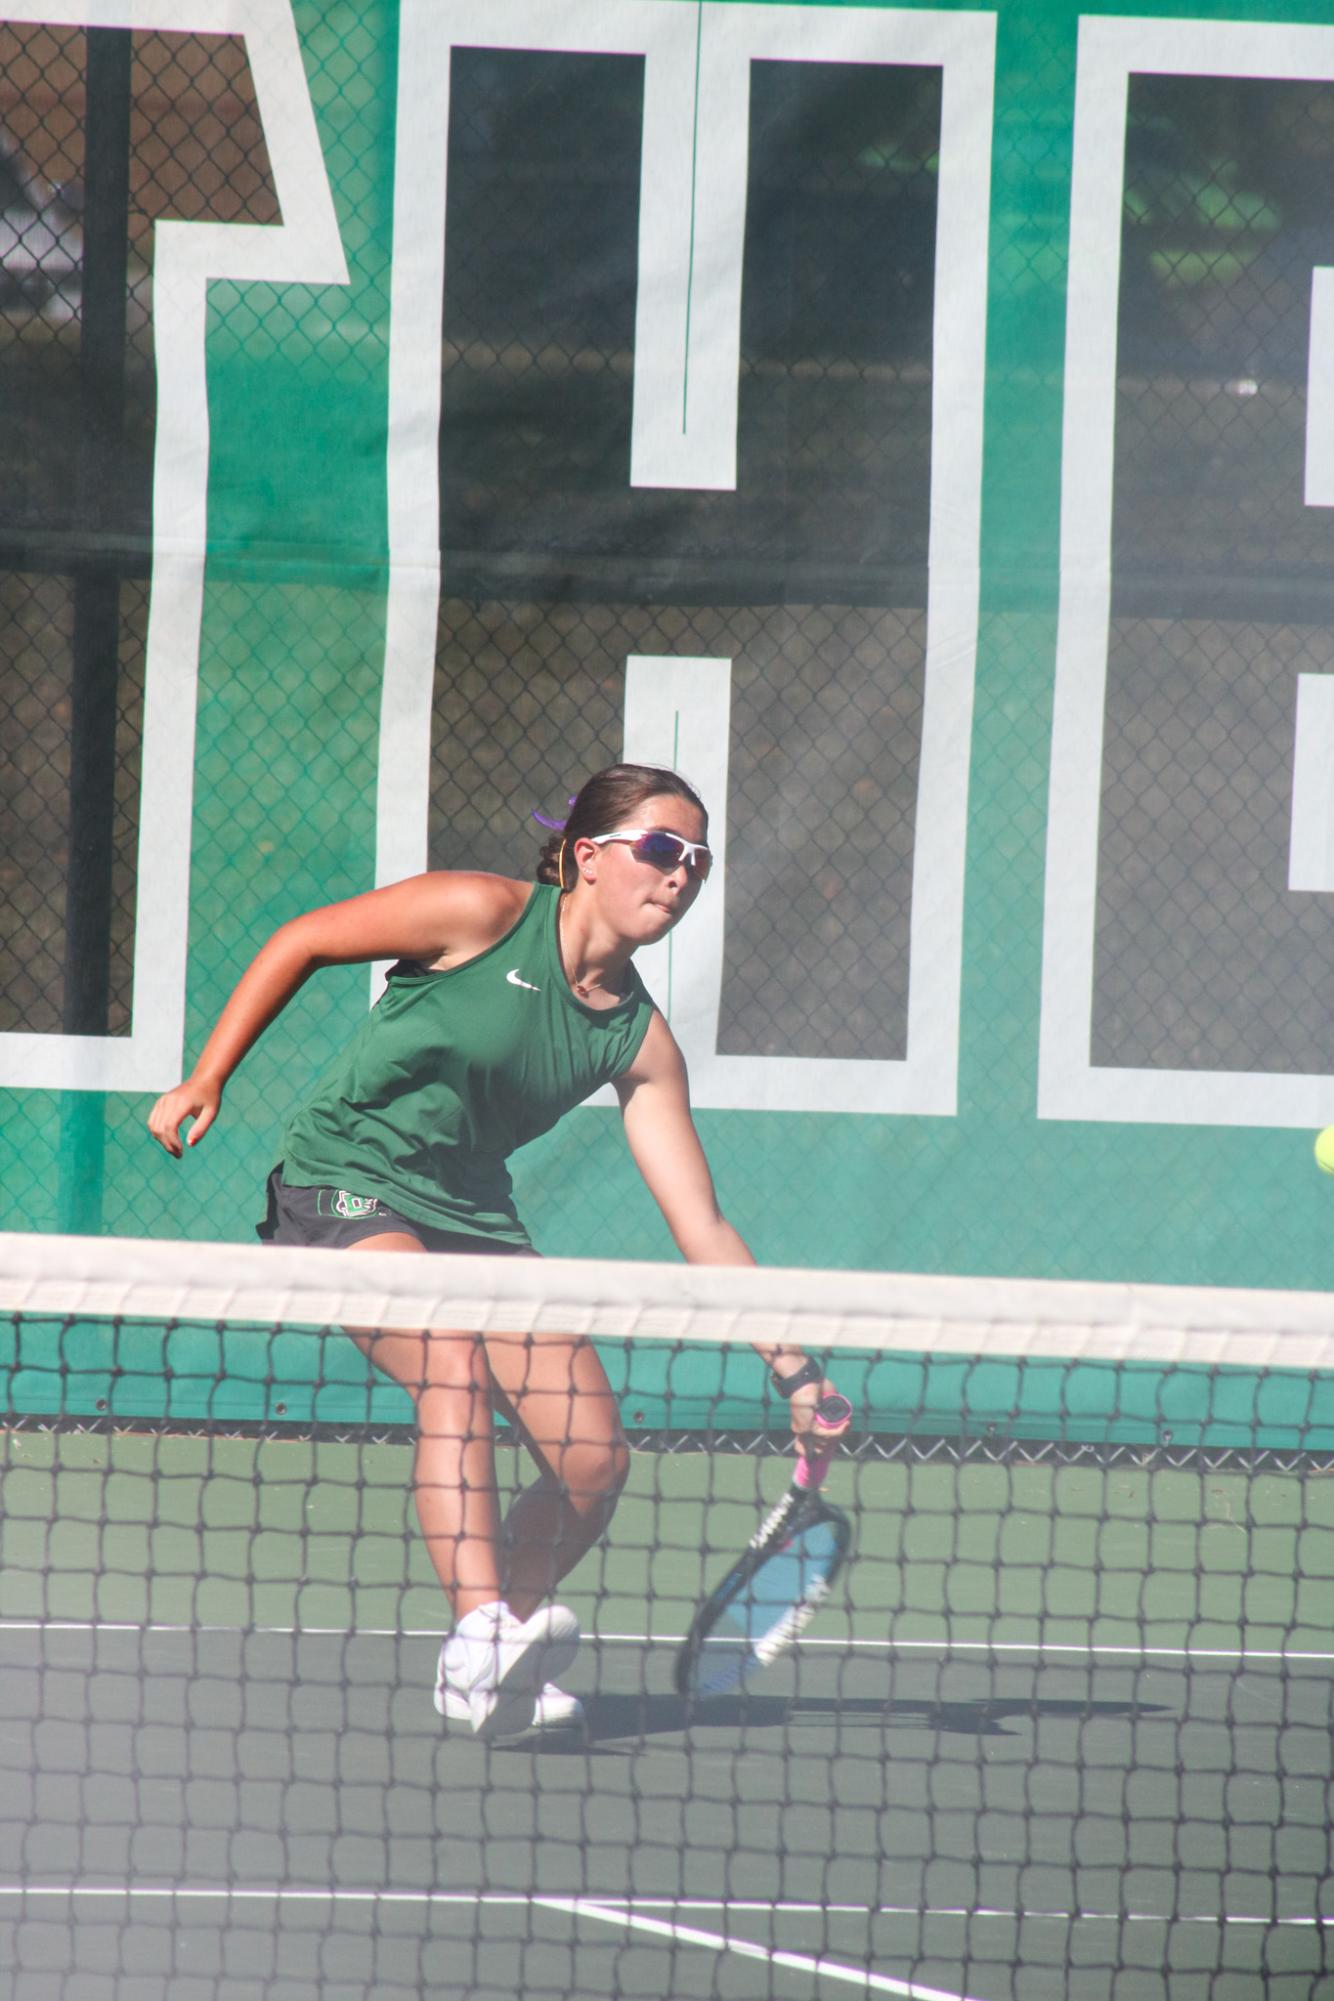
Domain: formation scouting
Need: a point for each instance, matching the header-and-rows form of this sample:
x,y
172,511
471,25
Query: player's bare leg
x,y
454,1466
494,1664
555,1391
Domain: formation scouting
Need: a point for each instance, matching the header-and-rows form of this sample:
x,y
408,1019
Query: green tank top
x,y
454,1070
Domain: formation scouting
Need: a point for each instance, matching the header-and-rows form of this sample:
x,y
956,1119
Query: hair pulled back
x,y
610,799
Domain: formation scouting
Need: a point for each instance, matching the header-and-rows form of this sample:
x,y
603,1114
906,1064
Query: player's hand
x,y
195,1100
810,1434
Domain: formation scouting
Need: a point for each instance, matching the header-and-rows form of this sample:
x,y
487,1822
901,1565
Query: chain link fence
x,y
1221,585
810,578
102,134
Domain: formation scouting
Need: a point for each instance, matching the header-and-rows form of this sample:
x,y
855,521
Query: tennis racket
x,y
771,1594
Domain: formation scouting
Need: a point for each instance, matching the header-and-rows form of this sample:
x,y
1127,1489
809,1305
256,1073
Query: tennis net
x,y
1061,1728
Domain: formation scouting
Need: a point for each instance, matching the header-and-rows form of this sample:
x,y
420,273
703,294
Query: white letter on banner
x,y
1320,392
1070,1085
678,713
1311,850
305,248
695,155
692,226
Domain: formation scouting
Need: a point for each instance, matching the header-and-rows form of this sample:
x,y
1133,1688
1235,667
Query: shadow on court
x,y
614,1722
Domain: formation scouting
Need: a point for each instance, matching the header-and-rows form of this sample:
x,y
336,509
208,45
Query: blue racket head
x,y
762,1605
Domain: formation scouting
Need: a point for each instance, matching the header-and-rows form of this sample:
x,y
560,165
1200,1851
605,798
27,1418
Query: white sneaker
x,y
554,1709
495,1664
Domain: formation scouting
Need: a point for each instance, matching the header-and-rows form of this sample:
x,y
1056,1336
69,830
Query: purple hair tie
x,y
556,826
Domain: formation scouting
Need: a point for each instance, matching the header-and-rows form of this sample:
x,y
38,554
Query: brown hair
x,y
610,799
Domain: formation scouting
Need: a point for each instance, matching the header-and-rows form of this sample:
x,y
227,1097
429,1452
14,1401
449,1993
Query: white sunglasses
x,y
664,850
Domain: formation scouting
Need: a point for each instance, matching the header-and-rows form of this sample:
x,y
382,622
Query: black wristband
x,y
809,1372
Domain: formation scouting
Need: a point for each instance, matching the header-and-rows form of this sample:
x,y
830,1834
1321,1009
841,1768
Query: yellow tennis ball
x,y
1324,1150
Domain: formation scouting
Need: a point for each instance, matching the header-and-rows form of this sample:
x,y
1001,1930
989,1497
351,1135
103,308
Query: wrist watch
x,y
809,1372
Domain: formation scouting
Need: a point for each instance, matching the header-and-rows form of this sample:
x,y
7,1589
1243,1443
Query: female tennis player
x,y
507,1006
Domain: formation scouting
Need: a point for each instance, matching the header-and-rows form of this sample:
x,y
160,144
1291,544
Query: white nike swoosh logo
x,y
515,981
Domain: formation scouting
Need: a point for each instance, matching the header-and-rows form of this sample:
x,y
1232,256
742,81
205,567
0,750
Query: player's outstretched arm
x,y
441,918
655,1107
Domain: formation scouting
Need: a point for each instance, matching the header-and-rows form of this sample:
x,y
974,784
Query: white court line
x,y
1081,1650
573,1907
796,1962
313,1893
967,1912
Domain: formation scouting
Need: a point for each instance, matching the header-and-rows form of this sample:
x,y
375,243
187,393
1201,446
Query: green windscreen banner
x,y
915,424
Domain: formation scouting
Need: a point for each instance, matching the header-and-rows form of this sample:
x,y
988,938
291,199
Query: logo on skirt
x,y
355,1206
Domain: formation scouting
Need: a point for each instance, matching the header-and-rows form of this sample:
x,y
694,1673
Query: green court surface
x,y
1066,1732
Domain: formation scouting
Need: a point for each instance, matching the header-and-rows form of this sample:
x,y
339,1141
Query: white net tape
x,y
925,1313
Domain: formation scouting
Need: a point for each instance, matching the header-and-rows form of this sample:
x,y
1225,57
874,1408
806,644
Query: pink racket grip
x,y
830,1412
